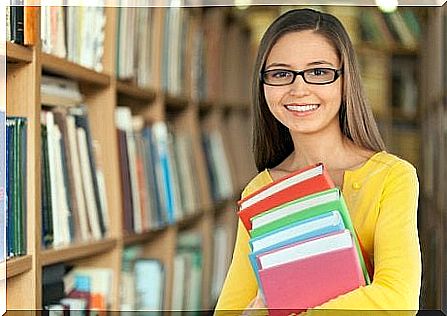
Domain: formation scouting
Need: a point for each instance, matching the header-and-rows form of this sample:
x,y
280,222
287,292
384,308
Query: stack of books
x,y
304,249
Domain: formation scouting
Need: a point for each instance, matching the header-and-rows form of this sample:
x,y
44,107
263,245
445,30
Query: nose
x,y
299,86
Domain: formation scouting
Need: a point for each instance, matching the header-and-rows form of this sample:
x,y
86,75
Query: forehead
x,y
301,48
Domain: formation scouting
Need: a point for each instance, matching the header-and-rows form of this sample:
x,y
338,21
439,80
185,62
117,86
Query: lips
x,y
302,107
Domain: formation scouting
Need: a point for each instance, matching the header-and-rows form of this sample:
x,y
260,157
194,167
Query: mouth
x,y
302,108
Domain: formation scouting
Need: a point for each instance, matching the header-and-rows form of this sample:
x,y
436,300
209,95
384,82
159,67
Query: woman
x,y
309,107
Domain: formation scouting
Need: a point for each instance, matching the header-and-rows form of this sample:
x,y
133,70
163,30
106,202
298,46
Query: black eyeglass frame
x,y
337,74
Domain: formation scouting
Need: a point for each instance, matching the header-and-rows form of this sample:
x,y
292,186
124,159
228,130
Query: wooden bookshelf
x,y
65,68
76,251
134,92
18,53
18,265
103,93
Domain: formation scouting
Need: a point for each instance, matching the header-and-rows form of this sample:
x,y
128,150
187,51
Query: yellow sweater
x,y
382,198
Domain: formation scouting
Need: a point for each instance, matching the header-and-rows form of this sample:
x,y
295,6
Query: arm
x,y
397,257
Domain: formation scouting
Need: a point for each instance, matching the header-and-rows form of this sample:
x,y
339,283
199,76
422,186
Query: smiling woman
x,y
309,107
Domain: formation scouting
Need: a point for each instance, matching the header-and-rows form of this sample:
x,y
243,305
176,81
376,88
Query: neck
x,y
329,147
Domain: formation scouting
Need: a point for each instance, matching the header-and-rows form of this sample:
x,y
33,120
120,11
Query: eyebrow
x,y
314,63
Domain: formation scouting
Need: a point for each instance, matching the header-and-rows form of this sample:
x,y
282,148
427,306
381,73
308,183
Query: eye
x,y
318,72
279,74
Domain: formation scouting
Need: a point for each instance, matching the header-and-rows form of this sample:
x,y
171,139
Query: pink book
x,y
310,281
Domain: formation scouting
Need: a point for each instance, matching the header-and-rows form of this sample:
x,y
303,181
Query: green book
x,y
304,208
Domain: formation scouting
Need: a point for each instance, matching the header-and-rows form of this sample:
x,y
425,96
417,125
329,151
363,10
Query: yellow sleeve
x,y
397,257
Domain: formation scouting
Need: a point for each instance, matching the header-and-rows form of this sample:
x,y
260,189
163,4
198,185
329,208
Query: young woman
x,y
309,107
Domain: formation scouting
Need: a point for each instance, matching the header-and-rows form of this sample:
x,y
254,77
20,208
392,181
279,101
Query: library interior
x,y
127,138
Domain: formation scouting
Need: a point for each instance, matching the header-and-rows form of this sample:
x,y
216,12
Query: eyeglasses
x,y
283,77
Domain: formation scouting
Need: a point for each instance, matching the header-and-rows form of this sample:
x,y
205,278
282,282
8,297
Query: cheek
x,y
272,96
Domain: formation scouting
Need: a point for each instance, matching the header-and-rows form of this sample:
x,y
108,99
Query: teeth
x,y
302,108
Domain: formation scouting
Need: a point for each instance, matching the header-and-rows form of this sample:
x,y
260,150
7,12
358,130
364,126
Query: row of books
x,y
15,174
75,33
81,290
134,48
21,24
158,173
73,190
304,248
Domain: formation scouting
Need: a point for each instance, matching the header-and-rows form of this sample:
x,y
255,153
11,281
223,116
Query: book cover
x,y
303,182
300,231
304,208
310,277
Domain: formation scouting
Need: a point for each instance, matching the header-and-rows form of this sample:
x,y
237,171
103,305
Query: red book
x,y
308,274
309,180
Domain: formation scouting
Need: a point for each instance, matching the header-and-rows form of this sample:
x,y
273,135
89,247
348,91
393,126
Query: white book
x,y
149,284
332,219
307,249
87,180
100,281
77,306
58,237
221,261
292,208
63,211
78,185
177,303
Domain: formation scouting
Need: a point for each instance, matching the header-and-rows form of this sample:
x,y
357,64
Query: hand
x,y
256,303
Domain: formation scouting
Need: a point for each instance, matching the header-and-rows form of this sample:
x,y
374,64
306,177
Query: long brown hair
x,y
272,142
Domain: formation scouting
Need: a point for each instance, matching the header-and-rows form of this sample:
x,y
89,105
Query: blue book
x,y
2,186
313,227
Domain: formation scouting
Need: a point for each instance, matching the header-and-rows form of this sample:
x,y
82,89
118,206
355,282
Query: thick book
x,y
305,208
298,184
314,227
308,274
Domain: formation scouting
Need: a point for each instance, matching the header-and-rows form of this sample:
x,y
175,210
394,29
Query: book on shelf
x,y
149,284
72,197
143,281
218,166
188,260
298,223
221,259
16,181
134,47
80,289
74,33
3,198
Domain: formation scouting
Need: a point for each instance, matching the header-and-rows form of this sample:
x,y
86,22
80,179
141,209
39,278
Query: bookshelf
x,y
432,215
103,92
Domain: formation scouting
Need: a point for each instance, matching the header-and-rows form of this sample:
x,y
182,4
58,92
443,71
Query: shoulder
x,y
389,163
386,170
261,179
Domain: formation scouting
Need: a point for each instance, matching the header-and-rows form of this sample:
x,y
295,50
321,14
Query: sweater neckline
x,y
349,173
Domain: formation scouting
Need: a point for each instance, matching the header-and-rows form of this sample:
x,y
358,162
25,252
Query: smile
x,y
303,107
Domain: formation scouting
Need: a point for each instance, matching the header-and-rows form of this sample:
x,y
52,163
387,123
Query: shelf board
x,y
236,106
176,103
131,239
190,219
18,265
76,251
68,69
18,54
132,91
